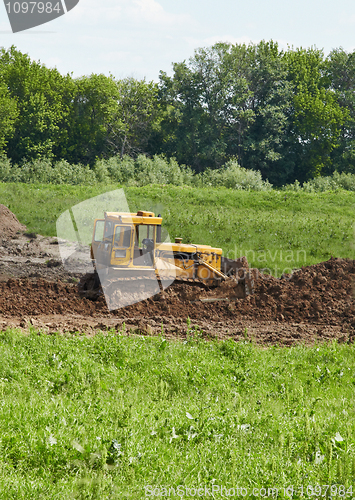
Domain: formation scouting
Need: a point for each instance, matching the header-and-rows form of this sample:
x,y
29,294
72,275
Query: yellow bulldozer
x,y
133,263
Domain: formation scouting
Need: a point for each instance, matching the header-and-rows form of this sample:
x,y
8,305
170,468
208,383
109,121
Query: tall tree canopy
x,y
229,101
8,115
137,117
288,113
340,70
94,107
43,98
274,111
317,117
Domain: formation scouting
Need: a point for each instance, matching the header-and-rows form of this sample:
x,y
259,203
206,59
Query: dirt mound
x,y
38,296
322,293
315,302
9,224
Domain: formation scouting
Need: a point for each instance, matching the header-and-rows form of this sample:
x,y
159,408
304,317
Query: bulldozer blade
x,y
231,267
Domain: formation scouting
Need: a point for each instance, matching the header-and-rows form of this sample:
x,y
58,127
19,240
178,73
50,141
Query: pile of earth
x,y
280,312
30,255
322,293
9,224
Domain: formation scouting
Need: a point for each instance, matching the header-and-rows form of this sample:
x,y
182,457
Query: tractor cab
x,y
126,240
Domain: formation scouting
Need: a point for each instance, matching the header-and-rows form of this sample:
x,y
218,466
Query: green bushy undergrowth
x,y
43,171
332,182
102,417
232,176
141,171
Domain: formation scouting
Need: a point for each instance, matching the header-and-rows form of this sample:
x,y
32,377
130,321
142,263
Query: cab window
x,y
123,236
143,231
108,233
99,230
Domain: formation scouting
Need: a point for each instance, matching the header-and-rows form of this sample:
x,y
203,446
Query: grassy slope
x,y
276,230
102,417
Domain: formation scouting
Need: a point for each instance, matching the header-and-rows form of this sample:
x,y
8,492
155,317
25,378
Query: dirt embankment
x,y
9,224
315,303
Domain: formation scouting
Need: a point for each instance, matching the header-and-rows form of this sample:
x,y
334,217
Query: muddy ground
x,y
316,303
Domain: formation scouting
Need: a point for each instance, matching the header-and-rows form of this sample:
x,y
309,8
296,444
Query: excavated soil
x,y
9,224
316,303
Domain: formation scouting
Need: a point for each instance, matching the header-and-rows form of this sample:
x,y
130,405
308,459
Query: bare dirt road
x,y
315,304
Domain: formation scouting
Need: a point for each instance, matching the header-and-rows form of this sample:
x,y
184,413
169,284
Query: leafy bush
x,y
5,168
135,172
45,172
66,173
157,170
232,176
320,184
119,170
296,187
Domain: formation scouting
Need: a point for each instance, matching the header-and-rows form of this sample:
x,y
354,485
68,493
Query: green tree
x,y
8,115
229,101
203,104
43,98
93,110
262,110
137,118
317,117
112,117
186,129
340,66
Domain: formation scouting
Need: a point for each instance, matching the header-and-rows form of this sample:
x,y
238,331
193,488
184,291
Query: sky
x,y
139,38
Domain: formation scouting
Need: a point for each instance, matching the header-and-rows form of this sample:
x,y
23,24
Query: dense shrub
x,y
45,172
118,169
5,168
157,170
232,176
321,184
66,173
137,172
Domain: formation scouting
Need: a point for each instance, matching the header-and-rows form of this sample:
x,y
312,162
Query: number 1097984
x,y
34,7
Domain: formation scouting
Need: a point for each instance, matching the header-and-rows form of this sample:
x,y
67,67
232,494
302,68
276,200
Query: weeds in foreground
x,y
193,333
103,417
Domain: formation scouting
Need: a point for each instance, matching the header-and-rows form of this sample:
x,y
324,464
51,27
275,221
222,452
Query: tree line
x,y
289,114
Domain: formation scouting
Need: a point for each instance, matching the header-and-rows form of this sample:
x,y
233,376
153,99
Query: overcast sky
x,y
141,37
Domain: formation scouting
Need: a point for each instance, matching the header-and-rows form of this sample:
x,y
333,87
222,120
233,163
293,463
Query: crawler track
x,y
89,286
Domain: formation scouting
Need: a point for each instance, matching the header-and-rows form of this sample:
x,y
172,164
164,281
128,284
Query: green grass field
x,y
103,417
277,230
